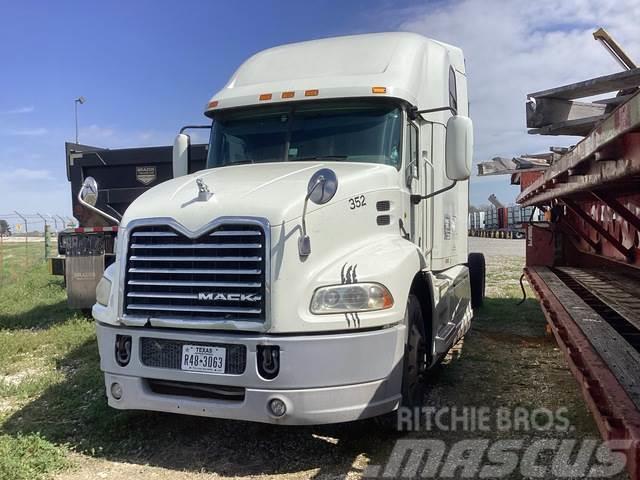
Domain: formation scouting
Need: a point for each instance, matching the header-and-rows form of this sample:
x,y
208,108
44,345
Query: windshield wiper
x,y
318,157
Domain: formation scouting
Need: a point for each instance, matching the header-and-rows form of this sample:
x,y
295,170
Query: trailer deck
x,y
603,362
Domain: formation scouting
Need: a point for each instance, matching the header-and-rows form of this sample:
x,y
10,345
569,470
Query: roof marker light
x,y
288,94
311,93
212,104
378,89
265,96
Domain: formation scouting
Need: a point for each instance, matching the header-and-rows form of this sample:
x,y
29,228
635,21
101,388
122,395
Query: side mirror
x,y
181,155
322,186
89,191
88,196
459,147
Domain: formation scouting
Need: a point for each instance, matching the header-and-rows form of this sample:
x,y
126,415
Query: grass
x,y
36,333
53,413
16,257
28,457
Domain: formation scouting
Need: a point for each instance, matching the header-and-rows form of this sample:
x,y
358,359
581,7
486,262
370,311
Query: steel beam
x,y
629,253
625,118
619,208
568,228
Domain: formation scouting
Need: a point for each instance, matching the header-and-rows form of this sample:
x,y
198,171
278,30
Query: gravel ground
x,y
506,361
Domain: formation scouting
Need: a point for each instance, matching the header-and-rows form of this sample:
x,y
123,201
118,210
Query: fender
x,y
108,314
389,260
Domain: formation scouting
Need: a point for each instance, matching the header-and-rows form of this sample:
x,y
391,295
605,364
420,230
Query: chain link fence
x,y
26,240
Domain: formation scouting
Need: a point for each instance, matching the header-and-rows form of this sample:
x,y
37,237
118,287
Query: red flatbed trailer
x,y
584,265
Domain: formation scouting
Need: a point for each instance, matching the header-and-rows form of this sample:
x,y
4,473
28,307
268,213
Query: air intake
x,y
383,205
383,220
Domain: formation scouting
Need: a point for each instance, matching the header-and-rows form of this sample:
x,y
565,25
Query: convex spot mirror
x,y
89,191
323,185
459,147
181,155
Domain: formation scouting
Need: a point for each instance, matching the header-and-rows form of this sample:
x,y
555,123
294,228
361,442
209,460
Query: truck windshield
x,y
363,132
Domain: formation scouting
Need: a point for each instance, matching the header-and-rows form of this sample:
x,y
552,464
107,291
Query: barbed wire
x,y
18,223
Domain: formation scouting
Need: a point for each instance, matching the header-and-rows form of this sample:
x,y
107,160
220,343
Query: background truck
x,y
317,267
122,175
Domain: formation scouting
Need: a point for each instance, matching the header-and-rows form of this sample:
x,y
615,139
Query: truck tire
x,y
415,357
477,272
414,367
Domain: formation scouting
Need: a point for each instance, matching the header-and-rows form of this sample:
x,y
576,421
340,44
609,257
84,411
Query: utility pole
x,y
80,100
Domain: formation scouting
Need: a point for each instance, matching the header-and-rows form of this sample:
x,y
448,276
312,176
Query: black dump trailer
x,y
122,175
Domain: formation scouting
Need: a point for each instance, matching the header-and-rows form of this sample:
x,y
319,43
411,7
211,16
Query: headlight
x,y
354,297
103,290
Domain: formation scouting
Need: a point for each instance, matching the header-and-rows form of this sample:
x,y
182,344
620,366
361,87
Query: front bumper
x,y
322,379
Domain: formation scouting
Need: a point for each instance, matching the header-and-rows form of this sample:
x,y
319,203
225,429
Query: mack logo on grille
x,y
229,297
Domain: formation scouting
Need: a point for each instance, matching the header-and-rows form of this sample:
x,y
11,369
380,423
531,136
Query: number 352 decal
x,y
357,202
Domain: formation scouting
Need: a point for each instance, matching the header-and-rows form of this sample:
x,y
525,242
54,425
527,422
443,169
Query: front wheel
x,y
415,363
415,357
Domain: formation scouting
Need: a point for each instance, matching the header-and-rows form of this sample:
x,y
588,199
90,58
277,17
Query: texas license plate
x,y
201,358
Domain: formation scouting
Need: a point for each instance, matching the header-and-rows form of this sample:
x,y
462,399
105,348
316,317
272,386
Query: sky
x,y
146,68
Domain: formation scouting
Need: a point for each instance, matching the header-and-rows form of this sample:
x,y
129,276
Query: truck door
x,y
419,176
413,177
427,186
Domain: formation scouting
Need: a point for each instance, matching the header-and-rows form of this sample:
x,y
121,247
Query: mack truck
x,y
317,266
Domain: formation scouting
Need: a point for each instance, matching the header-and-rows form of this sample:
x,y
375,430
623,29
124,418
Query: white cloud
x,y
28,174
198,136
115,137
518,47
11,111
27,132
146,136
95,134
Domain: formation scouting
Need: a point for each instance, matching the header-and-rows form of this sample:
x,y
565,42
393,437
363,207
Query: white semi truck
x,y
318,266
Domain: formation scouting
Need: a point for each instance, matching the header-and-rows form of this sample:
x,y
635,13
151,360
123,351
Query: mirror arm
x,y
304,242
189,127
415,199
414,112
97,210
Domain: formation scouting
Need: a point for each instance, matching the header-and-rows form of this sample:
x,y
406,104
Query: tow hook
x,y
123,349
268,361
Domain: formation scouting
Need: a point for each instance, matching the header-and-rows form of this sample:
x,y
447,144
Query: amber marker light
x,y
378,89
288,94
265,96
212,104
311,93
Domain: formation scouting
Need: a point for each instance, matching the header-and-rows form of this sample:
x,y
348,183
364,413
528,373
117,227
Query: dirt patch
x,y
89,468
17,378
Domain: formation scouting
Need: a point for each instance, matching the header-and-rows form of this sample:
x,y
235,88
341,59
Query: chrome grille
x,y
217,276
